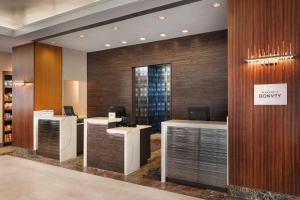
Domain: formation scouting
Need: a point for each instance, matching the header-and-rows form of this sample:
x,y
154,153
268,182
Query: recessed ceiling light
x,y
142,39
216,4
161,18
81,36
115,28
185,31
108,45
124,42
163,35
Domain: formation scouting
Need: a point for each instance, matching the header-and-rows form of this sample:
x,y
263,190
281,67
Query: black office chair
x,y
119,110
199,113
121,113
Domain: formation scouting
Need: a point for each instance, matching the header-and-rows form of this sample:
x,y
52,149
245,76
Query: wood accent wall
x,y
264,141
48,78
40,66
199,74
23,96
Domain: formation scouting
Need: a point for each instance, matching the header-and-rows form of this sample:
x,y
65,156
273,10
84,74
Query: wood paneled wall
x,y
48,78
199,74
264,141
23,69
40,67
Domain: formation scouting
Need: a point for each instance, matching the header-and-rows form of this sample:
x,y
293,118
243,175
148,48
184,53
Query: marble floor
x,y
148,175
23,179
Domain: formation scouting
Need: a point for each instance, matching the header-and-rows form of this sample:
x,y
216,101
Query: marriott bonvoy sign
x,y
270,94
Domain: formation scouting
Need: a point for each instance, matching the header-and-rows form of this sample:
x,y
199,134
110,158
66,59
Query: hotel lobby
x,y
136,99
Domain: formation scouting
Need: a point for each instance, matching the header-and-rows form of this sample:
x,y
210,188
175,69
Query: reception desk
x,y
194,152
119,149
55,136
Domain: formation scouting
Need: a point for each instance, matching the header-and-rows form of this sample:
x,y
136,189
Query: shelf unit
x,y
152,95
7,108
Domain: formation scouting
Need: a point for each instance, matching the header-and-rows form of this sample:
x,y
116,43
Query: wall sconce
x,y
20,83
270,56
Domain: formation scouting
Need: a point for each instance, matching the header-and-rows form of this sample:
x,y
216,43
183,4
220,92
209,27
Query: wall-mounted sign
x,y
270,94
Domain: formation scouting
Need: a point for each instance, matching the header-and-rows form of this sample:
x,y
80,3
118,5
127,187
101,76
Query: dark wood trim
x,y
122,18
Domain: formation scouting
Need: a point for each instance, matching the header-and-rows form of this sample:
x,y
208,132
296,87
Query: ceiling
x,y
60,20
15,14
198,17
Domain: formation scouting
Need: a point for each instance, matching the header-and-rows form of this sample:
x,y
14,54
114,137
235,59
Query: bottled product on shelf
x,y
7,106
7,138
7,117
8,128
8,83
8,97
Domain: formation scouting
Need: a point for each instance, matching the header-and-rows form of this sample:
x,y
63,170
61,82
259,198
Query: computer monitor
x,y
119,110
199,113
69,111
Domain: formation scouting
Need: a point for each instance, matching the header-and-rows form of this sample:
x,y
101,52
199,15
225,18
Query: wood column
x,y
264,141
40,67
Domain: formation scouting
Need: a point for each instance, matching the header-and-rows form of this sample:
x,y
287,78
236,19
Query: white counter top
x,y
67,133
126,130
56,117
101,120
196,124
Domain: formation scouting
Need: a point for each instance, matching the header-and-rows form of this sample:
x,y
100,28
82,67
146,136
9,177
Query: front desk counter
x,y
55,136
194,153
119,149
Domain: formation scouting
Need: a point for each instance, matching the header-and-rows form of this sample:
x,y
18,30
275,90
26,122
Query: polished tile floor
x,y
23,179
148,175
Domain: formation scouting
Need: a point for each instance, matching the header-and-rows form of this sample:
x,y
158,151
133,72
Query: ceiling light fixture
x,y
81,36
216,4
115,28
163,35
124,42
185,31
142,39
108,45
161,18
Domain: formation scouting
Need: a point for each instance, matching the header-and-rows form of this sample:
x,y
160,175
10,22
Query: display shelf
x,y
152,95
7,108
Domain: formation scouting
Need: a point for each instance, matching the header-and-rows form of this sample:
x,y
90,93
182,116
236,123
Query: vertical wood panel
x,y
48,78
264,141
198,66
23,69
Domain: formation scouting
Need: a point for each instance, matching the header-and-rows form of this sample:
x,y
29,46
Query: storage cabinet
x,y
48,138
197,155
